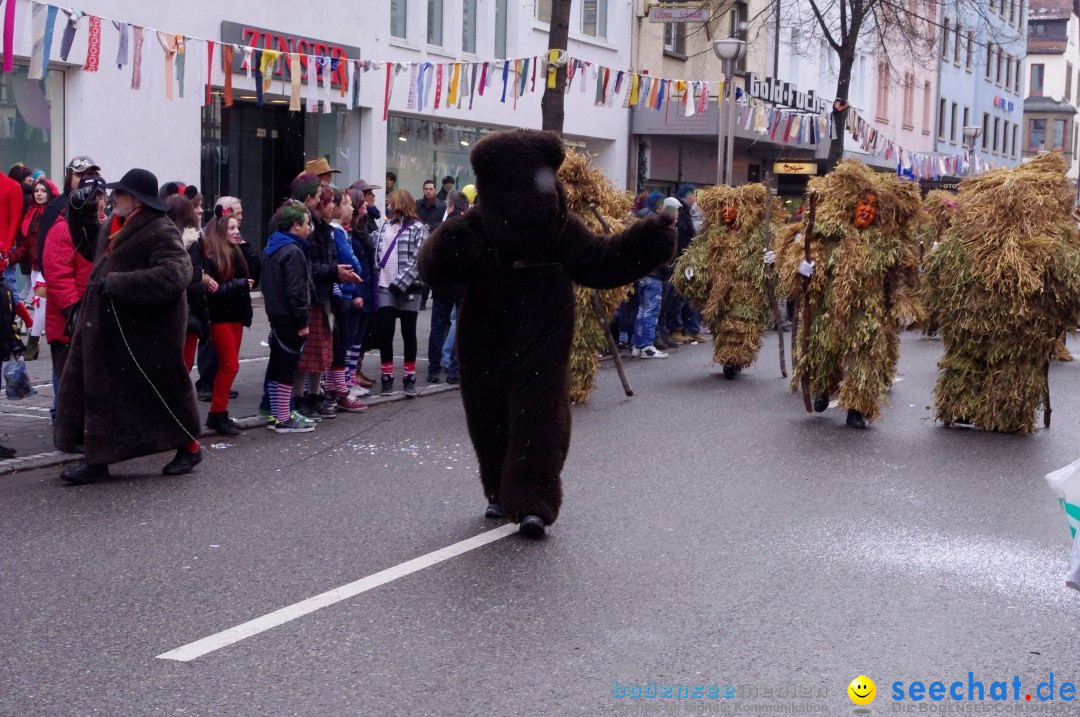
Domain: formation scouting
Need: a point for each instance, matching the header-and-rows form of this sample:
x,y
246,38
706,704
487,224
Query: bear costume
x,y
517,252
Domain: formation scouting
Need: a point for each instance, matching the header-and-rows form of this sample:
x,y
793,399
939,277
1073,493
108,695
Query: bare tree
x,y
552,105
900,32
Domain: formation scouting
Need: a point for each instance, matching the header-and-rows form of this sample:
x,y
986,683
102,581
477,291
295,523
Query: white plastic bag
x,y
1066,483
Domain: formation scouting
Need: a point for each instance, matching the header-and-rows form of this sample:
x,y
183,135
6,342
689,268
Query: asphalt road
x,y
713,533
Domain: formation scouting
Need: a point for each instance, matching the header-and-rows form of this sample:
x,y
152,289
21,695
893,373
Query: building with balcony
x,y
1053,89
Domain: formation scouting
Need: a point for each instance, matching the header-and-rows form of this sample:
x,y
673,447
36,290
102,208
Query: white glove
x,y
806,268
770,257
689,273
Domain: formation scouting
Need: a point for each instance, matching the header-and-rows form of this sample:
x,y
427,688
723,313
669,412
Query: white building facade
x,y
254,150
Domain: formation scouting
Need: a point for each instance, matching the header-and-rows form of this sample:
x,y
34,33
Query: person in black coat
x,y
182,214
443,303
231,274
286,289
77,168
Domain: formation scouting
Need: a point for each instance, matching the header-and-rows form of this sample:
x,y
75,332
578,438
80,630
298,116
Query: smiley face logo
x,y
862,690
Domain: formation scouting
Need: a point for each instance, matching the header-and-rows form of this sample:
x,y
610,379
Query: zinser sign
x,y
784,93
235,33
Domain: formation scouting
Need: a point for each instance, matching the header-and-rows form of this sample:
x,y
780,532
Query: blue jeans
x,y
650,291
440,328
682,315
449,354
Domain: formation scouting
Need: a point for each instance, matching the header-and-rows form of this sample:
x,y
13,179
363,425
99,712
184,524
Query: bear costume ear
x,y
504,153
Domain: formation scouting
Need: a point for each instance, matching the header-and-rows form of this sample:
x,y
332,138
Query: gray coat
x,y
105,403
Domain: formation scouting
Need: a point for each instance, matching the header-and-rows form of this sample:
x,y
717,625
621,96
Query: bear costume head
x,y
522,200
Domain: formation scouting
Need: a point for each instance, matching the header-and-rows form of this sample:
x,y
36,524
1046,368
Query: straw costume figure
x,y
1006,282
518,252
939,206
585,186
736,267
862,257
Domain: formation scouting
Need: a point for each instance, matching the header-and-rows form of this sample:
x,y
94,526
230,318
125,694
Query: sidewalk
x,y
26,425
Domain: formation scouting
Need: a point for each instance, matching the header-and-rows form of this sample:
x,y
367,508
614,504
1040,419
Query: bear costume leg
x,y
486,414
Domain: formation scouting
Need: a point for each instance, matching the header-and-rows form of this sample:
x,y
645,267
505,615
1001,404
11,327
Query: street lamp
x,y
728,51
971,133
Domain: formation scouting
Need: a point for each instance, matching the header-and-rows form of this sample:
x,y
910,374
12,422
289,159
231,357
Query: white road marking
x,y
25,415
196,649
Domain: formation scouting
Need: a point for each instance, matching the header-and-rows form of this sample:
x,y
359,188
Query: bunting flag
x,y
168,44
43,18
93,48
267,62
327,78
312,84
181,54
438,85
258,67
452,91
69,31
210,72
532,82
136,61
483,78
122,50
296,72
552,67
506,76
389,87
9,37
227,52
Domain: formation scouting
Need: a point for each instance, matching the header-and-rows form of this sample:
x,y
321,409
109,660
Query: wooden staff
x,y
808,236
598,309
770,280
1047,411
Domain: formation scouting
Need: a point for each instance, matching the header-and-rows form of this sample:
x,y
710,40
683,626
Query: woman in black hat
x,y
125,391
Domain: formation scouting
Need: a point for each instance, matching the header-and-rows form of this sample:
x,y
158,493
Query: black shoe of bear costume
x,y
532,527
494,511
855,419
730,371
821,404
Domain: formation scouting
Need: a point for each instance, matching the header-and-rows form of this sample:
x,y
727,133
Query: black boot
x,y
6,452
220,422
387,385
494,511
84,473
409,385
532,527
855,419
821,404
183,463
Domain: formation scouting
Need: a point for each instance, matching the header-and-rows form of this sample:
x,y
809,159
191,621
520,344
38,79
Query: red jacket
x,y
68,273
11,211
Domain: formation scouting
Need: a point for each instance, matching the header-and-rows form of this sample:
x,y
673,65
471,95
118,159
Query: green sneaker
x,y
304,420
271,422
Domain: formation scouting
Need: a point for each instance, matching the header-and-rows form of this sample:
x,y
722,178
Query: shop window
x,y
468,26
500,29
398,17
418,150
31,121
594,18
543,10
1036,135
435,22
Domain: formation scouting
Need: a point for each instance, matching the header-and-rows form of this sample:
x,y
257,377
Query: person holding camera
x,y
398,243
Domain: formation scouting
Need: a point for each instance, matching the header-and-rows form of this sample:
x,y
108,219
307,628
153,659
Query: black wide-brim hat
x,y
143,185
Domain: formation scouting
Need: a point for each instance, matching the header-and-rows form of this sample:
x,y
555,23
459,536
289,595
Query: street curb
x,y
53,459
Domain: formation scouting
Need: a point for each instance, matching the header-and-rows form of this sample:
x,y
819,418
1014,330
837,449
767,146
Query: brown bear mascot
x,y
517,252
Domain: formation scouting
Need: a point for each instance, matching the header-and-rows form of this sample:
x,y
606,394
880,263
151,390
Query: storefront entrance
x,y
252,153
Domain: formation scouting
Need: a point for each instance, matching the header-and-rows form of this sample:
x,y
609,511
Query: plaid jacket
x,y
408,246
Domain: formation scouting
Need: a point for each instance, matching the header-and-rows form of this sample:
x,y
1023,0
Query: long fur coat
x,y
139,283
